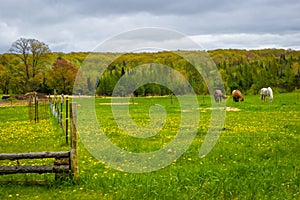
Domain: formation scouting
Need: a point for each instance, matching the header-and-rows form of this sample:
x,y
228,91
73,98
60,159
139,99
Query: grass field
x,y
256,156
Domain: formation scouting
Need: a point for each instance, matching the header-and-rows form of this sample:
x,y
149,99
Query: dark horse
x,y
237,96
219,96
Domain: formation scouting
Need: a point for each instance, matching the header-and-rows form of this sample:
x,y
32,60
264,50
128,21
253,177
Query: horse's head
x,y
235,98
271,98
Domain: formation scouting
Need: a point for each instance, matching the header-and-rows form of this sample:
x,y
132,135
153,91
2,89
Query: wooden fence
x,y
56,107
37,106
65,163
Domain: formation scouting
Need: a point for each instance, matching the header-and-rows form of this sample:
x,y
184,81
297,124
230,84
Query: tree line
x,y
31,66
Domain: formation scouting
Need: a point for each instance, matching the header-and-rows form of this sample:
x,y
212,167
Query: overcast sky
x,y
69,25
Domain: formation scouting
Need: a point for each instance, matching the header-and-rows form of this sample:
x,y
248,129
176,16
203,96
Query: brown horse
x,y
219,96
237,96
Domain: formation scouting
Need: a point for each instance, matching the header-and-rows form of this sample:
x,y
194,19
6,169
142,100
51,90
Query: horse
x,y
219,96
264,92
237,96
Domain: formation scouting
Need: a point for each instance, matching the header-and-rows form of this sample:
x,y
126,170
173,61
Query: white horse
x,y
266,92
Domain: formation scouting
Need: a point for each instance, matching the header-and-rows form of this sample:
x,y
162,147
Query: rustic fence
x,y
38,108
65,162
56,107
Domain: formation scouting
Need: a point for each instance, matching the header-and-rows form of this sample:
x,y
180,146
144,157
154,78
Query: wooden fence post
x,y
34,100
74,149
67,118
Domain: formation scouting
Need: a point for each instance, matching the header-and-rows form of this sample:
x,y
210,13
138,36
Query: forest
x,y
246,70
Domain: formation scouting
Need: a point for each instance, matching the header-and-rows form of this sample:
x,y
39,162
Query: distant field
x,y
256,156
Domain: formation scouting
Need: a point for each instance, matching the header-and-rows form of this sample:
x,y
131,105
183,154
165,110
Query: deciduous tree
x,y
62,76
31,52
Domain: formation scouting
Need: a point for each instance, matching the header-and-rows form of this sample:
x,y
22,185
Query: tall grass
x,y
256,156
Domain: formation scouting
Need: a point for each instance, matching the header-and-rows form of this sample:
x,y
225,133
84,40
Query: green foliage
x,y
246,70
251,70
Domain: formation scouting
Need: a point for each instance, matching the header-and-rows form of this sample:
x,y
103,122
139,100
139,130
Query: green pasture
x,y
256,156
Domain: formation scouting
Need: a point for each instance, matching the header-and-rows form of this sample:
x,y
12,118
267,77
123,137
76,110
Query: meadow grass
x,y
256,156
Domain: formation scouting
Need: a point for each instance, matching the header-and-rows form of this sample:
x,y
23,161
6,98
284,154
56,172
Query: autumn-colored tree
x,y
62,76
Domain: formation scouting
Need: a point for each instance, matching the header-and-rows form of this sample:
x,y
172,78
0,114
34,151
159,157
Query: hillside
x,y
247,70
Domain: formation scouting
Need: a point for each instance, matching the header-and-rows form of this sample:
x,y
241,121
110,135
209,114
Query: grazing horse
x,y
266,92
237,96
219,96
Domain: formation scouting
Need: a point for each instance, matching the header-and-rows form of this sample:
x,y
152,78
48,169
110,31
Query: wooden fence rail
x,y
57,169
61,163
34,155
65,162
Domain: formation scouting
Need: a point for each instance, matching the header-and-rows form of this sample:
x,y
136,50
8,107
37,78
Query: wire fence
x,y
37,104
38,109
59,105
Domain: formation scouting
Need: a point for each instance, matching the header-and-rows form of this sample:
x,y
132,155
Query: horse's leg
x,y
217,99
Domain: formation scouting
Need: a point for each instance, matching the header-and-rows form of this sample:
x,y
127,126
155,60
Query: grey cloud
x,y
249,41
68,25
152,39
